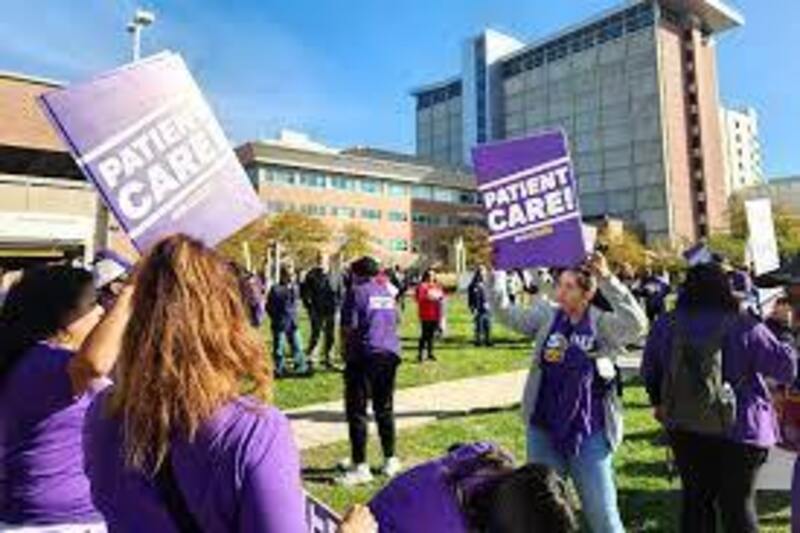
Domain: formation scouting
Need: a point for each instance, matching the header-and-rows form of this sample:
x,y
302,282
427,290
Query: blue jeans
x,y
279,341
592,473
483,328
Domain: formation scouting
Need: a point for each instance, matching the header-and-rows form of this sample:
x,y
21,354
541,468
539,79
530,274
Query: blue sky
x,y
341,69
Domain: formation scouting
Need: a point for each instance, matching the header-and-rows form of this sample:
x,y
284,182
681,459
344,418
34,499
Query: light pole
x,y
141,19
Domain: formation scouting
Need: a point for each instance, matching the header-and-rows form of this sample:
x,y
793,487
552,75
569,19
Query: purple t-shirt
x,y
42,479
424,499
571,395
369,312
241,474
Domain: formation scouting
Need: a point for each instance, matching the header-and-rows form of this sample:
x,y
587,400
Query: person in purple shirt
x,y
571,406
474,488
718,468
46,317
176,444
371,352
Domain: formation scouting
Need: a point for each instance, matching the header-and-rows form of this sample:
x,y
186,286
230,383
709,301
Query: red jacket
x,y
430,298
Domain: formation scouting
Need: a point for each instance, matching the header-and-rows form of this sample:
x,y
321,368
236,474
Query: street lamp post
x,y
141,19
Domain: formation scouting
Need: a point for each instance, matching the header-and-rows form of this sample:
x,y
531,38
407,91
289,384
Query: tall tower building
x,y
635,89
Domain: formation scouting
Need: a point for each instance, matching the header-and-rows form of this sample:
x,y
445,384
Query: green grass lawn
x,y
457,358
649,501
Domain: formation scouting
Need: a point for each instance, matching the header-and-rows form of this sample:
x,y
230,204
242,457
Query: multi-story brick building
x,y
47,209
635,88
409,207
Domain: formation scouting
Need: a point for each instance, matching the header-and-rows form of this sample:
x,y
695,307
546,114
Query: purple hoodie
x,y
369,315
750,351
241,474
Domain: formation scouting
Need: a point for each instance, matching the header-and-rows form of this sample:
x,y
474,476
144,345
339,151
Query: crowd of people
x,y
139,398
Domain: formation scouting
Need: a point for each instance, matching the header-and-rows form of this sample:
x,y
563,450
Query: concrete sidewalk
x,y
318,424
324,423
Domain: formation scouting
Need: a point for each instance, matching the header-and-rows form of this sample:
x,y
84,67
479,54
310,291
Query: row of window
x,y
313,179
439,95
630,21
277,206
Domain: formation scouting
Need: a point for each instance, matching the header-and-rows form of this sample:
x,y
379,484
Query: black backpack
x,y
695,397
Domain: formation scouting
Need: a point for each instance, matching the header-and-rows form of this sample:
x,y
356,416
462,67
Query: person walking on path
x,y
720,431
430,304
371,351
321,295
571,406
282,310
478,302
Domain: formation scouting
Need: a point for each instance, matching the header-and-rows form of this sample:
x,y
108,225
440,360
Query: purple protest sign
x,y
320,517
529,194
145,137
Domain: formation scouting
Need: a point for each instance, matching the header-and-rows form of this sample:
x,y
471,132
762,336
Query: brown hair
x,y
584,278
187,350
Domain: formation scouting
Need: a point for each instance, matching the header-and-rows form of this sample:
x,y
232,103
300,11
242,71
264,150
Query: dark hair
x,y
427,275
584,277
532,498
37,307
365,267
708,287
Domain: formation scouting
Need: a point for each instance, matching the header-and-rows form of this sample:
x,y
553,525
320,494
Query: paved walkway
x,y
315,425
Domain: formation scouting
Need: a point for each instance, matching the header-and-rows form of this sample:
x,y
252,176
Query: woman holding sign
x,y
176,444
570,403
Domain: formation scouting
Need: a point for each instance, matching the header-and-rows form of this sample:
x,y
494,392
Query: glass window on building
x,y
444,194
420,218
398,216
313,210
313,179
371,186
398,189
422,192
343,183
280,176
371,214
343,212
276,206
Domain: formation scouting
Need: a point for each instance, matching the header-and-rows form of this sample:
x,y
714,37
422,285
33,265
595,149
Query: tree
x,y
732,244
625,247
356,241
301,236
255,235
476,244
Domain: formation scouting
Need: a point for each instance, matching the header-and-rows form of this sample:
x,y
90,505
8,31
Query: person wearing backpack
x,y
704,368
571,406
474,488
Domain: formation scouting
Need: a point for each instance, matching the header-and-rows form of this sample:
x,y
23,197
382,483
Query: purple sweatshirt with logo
x,y
241,474
369,315
750,353
570,406
41,464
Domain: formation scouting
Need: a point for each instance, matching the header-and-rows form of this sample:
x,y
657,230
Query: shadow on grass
x,y
654,437
645,469
339,416
649,510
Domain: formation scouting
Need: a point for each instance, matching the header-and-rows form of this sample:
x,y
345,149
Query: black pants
x,y
717,475
370,377
428,329
322,325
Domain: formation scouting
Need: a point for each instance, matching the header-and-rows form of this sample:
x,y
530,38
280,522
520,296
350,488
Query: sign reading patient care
x,y
529,195
146,138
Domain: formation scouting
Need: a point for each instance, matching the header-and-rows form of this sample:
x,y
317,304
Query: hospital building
x,y
636,90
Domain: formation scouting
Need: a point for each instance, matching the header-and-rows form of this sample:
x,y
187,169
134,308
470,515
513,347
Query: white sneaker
x,y
392,467
360,475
